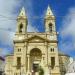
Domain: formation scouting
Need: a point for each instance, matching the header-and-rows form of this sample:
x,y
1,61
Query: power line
x,y
8,29
9,18
33,17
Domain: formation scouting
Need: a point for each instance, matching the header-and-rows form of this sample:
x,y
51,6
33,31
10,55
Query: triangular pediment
x,y
36,38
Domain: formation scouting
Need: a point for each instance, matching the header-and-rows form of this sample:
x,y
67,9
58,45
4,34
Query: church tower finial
x,y
22,13
49,11
49,21
22,22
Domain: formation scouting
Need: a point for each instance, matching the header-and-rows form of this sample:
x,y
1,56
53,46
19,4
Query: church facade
x,y
33,50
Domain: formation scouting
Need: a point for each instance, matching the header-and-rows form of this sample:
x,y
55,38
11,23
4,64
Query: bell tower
x,y
22,22
50,30
49,21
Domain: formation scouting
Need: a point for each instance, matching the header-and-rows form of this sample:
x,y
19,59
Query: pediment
x,y
36,38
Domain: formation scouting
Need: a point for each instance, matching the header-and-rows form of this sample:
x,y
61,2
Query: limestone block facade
x,y
32,49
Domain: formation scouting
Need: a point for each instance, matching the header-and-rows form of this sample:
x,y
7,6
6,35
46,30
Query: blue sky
x,y
64,11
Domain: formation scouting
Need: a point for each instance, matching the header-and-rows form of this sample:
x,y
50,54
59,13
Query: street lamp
x,y
32,72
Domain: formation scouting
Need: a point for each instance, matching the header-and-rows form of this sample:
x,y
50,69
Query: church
x,y
36,53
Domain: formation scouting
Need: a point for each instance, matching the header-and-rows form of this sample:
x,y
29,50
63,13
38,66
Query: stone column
x,y
46,54
42,60
28,56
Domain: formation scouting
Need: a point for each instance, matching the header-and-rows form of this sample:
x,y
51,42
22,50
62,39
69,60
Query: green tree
x,y
41,71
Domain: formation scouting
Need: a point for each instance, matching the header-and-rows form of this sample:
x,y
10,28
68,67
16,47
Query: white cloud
x,y
8,14
31,28
67,32
69,23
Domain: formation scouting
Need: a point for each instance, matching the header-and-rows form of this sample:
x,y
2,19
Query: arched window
x,y
19,49
21,28
50,27
52,49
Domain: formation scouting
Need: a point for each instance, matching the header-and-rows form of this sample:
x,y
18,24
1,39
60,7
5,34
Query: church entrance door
x,y
35,59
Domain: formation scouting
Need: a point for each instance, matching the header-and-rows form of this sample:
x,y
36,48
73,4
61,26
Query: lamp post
x,y
32,72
